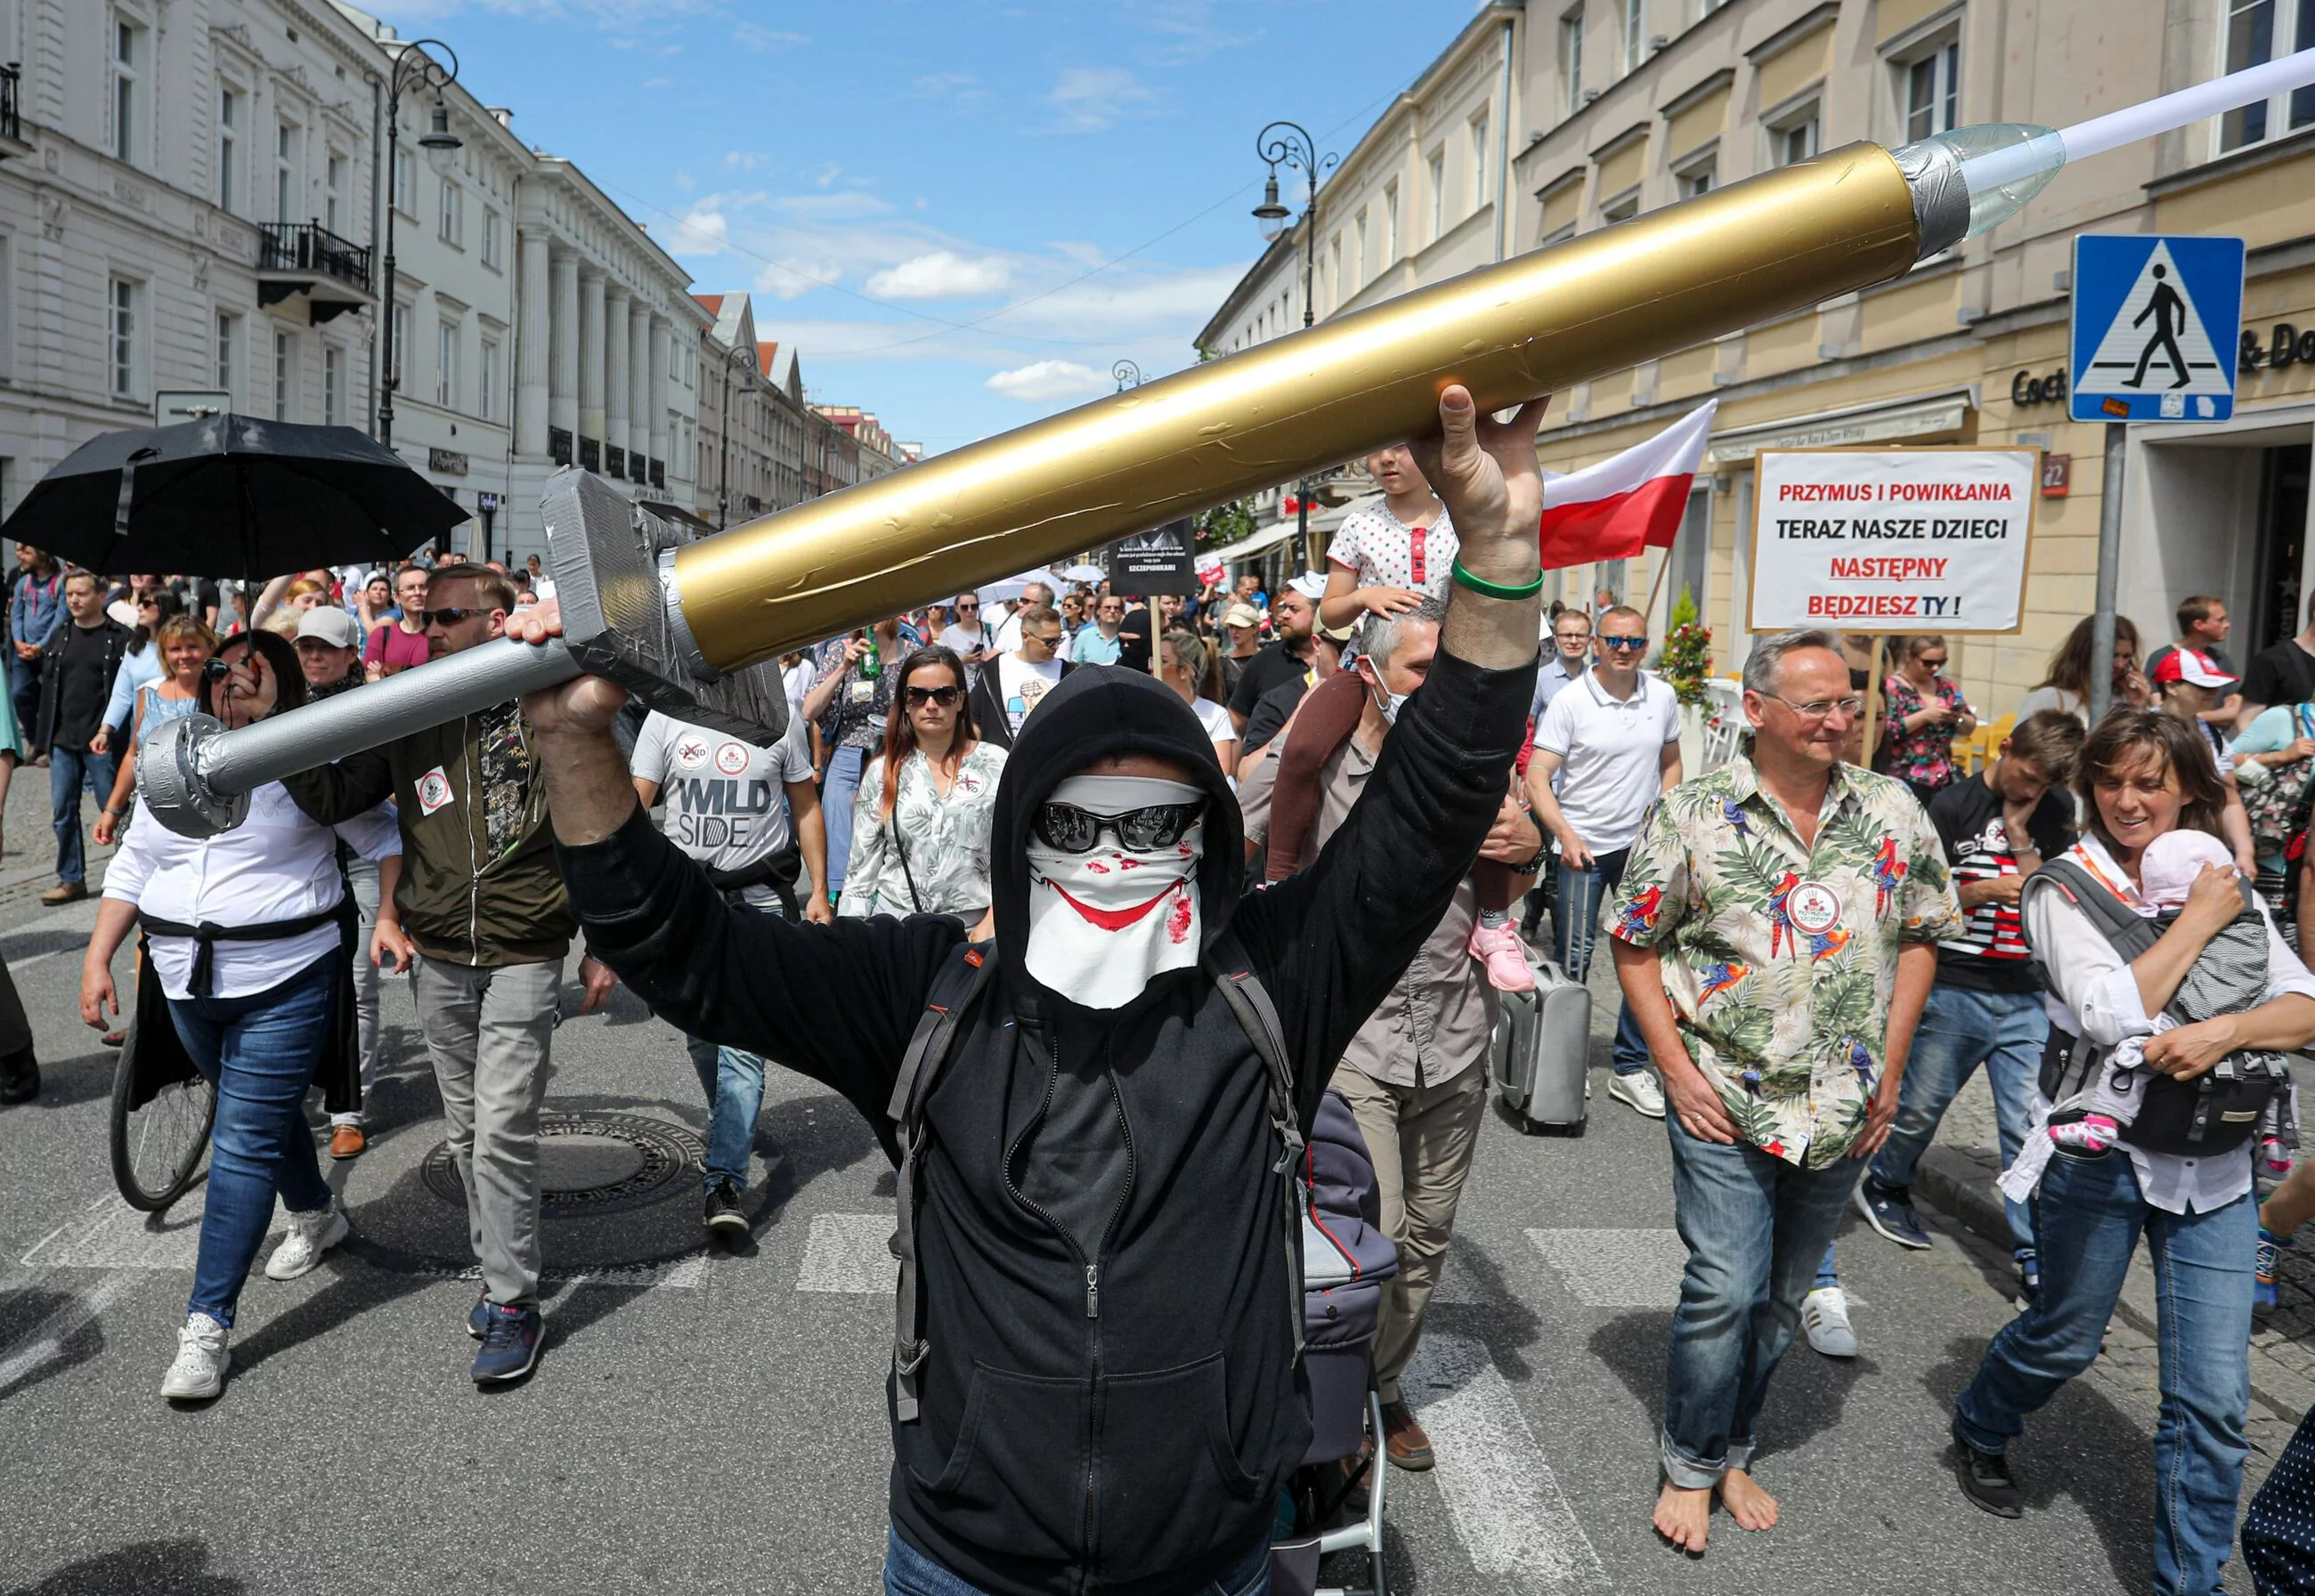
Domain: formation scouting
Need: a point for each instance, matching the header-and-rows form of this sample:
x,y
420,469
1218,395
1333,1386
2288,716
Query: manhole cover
x,y
593,1163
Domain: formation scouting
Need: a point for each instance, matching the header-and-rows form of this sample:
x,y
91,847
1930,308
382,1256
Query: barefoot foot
x,y
1684,1518
1751,1507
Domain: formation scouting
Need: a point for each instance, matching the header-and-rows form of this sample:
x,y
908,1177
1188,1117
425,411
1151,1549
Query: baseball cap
x,y
2190,665
1342,633
332,626
1241,615
1310,585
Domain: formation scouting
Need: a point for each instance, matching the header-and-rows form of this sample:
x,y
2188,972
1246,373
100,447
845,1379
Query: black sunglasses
x,y
945,697
1634,644
450,616
1075,830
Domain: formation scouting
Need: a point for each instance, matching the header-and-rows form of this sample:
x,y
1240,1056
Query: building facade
x,y
182,190
1631,105
1424,195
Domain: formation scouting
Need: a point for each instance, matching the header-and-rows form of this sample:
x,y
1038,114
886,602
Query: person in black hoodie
x,y
1109,1392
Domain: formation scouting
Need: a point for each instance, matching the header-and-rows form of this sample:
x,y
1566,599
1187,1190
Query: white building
x,y
182,186
536,326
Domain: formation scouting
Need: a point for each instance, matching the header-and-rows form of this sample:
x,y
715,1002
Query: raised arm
x,y
835,1002
1332,939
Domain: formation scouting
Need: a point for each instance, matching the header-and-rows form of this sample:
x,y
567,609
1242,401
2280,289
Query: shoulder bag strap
x,y
1250,1001
956,986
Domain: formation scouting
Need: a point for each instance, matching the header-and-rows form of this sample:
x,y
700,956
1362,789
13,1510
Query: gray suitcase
x,y
1541,1046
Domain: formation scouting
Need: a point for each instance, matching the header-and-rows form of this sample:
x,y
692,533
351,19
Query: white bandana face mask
x,y
1104,922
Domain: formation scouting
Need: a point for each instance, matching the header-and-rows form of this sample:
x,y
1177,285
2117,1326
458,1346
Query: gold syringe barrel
x,y
1770,245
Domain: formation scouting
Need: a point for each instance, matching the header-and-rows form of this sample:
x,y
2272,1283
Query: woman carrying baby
x,y
2164,1014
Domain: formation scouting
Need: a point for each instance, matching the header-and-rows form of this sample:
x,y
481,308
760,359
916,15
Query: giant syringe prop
x,y
686,626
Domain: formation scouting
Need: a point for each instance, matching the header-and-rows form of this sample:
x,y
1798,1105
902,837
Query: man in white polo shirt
x,y
1608,743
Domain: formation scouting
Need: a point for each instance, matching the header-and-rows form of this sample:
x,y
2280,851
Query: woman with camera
x,y
245,936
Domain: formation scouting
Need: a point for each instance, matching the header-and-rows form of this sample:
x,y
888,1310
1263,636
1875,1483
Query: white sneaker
x,y
1824,1314
310,1236
1640,1090
199,1372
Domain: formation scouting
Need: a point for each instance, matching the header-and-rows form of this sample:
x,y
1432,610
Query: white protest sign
x,y
1892,540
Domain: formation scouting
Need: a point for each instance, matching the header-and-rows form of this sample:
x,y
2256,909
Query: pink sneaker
x,y
1506,957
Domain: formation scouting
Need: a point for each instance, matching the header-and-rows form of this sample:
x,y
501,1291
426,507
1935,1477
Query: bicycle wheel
x,y
157,1146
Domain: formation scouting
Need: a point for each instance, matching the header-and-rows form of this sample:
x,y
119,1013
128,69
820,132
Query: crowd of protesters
x,y
1813,956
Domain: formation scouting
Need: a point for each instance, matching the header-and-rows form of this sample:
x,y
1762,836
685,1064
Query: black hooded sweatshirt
x,y
1110,1399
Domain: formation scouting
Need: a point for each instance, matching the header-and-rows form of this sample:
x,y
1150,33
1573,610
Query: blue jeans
x,y
2089,1217
259,1052
70,770
1575,934
907,1571
734,1084
1756,1229
1960,1030
835,795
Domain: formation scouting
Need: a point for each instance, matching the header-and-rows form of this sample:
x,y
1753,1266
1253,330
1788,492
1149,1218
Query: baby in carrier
x,y
2229,977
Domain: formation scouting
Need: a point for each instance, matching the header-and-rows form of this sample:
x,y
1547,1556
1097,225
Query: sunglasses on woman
x,y
1070,829
945,697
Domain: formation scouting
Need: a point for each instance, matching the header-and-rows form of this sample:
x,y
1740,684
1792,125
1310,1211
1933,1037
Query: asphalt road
x,y
716,1423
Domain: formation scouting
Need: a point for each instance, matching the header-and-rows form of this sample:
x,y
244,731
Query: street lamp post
x,y
724,490
1128,375
414,68
1289,144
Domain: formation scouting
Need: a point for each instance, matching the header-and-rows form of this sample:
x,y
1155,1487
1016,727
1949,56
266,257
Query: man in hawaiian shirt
x,y
1774,938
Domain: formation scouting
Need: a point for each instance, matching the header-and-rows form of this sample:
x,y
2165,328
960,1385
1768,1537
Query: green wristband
x,y
1488,590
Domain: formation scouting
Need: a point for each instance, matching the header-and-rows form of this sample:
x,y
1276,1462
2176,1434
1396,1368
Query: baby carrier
x,y
2216,1112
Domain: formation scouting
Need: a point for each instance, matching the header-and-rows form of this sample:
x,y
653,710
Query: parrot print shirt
x,y
1779,959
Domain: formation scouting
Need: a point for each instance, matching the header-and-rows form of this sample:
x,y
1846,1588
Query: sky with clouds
x,y
960,214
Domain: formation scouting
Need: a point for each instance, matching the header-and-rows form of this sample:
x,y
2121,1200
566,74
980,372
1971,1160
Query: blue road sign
x,y
2156,322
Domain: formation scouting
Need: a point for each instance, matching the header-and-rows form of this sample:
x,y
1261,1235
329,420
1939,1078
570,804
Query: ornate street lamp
x,y
732,358
414,68
1128,375
1289,144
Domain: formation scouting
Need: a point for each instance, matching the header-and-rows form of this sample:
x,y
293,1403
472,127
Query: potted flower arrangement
x,y
1685,662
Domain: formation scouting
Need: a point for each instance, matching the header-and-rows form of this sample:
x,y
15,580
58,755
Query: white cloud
x,y
1043,381
958,86
605,14
942,275
792,276
1091,98
755,36
657,83
700,232
683,183
746,160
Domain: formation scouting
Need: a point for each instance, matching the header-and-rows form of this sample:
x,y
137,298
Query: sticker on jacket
x,y
433,791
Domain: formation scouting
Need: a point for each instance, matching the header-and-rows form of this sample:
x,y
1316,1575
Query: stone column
x,y
615,372
590,355
530,329
563,406
661,427
640,392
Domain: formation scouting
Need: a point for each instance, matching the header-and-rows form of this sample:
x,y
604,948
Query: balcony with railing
x,y
11,122
306,259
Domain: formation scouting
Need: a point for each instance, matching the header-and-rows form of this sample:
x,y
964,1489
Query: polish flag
x,y
1628,503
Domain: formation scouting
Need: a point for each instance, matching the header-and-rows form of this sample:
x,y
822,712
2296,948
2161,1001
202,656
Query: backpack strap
x,y
955,987
1250,1001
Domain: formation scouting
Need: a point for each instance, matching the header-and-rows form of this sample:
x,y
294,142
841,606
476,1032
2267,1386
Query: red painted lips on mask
x,y
1111,920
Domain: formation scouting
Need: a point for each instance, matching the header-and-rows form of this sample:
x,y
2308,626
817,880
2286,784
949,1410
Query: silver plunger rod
x,y
423,696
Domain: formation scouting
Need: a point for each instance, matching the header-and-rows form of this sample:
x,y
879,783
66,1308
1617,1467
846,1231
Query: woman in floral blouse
x,y
920,843
1925,713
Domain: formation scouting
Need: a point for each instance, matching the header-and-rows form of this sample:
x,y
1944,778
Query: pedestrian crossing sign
x,y
2156,322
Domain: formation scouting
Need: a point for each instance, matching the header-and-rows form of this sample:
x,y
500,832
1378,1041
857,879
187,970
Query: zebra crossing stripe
x,y
1508,1511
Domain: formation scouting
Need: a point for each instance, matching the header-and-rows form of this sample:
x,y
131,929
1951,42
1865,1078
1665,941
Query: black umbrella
x,y
232,496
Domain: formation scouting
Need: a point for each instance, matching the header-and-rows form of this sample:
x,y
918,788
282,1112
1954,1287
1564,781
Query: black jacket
x,y
988,696
69,639
1141,1449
